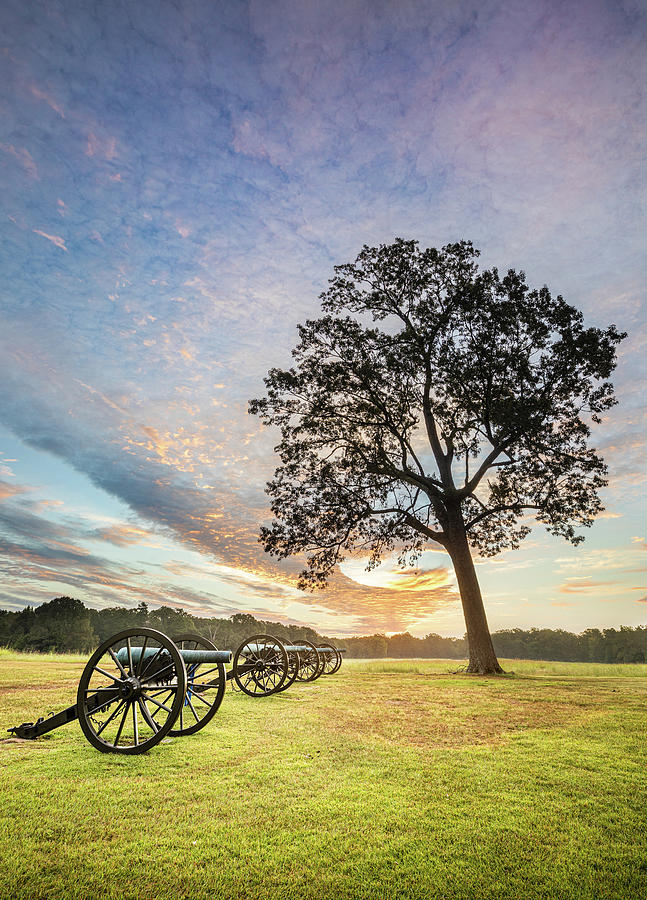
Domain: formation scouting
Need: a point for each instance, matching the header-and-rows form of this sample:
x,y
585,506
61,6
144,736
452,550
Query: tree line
x,y
66,625
610,645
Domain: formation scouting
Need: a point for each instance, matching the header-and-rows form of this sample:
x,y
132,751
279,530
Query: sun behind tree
x,y
435,404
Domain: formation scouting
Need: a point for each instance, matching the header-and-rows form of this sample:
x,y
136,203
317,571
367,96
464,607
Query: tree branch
x,y
495,509
487,463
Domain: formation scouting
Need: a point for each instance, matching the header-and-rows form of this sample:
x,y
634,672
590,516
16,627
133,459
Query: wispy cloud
x,y
43,95
23,156
101,146
54,238
10,490
582,585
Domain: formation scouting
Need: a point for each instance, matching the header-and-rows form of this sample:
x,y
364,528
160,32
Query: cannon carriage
x,y
140,686
316,661
331,658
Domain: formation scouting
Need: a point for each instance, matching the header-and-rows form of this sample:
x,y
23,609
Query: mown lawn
x,y
388,780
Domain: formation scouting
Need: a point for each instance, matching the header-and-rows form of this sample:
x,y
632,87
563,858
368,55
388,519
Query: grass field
x,y
391,779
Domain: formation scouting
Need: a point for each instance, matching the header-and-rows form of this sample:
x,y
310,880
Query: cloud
x,y
583,585
54,238
10,490
42,95
122,535
41,554
24,157
105,147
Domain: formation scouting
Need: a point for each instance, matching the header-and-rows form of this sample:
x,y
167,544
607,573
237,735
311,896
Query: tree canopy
x,y
435,403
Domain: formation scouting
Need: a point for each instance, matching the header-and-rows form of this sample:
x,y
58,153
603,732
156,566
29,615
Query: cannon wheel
x,y
330,662
132,719
340,658
260,665
205,687
293,670
309,662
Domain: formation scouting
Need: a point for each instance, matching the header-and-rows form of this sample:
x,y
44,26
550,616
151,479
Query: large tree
x,y
435,404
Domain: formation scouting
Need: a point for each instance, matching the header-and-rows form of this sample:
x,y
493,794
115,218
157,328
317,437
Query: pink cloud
x,y
54,238
581,585
41,95
23,156
96,146
10,490
123,535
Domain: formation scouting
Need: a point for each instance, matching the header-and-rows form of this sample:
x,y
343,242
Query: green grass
x,y
389,780
511,666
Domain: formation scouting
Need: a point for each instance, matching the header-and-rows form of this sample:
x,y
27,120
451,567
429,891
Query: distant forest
x,y
66,625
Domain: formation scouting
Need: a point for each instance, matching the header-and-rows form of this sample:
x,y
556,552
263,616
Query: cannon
x,y
313,662
140,686
262,666
308,661
331,658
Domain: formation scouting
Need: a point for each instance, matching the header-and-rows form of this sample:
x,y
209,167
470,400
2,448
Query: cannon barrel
x,y
291,648
189,656
258,648
300,648
296,648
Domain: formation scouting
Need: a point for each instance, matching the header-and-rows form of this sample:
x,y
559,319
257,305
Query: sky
x,y
178,181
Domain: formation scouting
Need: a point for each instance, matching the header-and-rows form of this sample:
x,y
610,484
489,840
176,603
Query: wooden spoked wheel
x,y
131,691
293,670
309,662
330,659
205,687
260,665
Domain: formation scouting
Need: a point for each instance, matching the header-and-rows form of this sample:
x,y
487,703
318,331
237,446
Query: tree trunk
x,y
482,658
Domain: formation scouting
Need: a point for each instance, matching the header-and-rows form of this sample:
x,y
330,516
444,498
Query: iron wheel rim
x,y
293,671
330,660
309,662
132,687
201,710
260,665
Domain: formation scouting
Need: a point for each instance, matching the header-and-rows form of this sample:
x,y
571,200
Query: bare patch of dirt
x,y
49,686
24,743
449,716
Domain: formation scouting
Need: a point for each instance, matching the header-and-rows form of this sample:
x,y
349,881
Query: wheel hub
x,y
130,687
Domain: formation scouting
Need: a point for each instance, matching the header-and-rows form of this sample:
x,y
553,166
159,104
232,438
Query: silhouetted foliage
x,y
435,404
65,625
62,625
